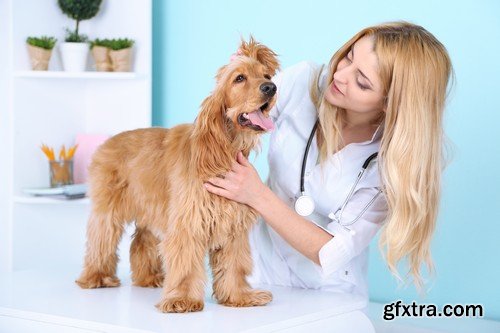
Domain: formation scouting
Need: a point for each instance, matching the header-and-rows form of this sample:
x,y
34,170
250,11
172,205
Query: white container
x,y
74,56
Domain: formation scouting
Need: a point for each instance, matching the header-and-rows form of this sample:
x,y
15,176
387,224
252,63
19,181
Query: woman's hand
x,y
242,184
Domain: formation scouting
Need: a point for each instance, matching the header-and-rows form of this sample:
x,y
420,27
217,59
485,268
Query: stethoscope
x,y
304,205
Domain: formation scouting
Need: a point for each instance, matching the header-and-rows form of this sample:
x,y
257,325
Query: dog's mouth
x,y
256,120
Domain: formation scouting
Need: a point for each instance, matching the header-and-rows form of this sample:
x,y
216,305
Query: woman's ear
x,y
385,99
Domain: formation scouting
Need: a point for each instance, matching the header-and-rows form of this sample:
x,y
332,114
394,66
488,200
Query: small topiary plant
x,y
43,42
78,10
40,51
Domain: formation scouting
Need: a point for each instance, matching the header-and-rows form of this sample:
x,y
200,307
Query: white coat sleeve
x,y
344,245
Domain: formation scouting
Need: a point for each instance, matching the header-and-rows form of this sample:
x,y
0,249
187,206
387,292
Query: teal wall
x,y
192,39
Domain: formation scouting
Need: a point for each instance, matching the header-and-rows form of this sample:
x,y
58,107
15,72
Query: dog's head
x,y
237,111
245,88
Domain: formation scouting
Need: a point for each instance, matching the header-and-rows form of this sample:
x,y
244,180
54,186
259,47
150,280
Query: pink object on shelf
x,y
87,145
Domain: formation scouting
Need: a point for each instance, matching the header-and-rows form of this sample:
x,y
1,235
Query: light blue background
x,y
192,39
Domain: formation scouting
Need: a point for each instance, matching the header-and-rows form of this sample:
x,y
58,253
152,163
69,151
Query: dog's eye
x,y
267,76
240,78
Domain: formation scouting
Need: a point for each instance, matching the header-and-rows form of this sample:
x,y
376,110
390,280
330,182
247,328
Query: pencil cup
x,y
61,173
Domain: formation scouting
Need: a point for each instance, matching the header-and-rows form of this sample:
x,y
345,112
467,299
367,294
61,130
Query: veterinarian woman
x,y
383,91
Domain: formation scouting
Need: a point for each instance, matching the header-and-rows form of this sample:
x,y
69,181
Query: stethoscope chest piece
x,y
304,205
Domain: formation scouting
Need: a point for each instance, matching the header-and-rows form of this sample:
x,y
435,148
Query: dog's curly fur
x,y
155,177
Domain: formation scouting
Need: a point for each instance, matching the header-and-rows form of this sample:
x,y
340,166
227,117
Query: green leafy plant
x,y
78,10
44,42
113,44
74,37
120,44
100,42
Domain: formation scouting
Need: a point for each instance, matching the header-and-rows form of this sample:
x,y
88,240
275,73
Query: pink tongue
x,y
257,118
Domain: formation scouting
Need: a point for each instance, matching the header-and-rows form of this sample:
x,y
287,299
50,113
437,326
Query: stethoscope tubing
x,y
351,191
306,153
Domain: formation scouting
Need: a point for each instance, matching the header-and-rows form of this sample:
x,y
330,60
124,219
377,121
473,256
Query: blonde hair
x,y
414,68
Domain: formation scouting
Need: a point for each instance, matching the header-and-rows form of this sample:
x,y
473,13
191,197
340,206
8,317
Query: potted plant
x,y
100,52
75,50
40,50
121,54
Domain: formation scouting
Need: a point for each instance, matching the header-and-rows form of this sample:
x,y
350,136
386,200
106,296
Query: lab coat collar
x,y
377,136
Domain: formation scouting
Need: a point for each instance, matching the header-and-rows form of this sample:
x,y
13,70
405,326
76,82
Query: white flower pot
x,y
74,56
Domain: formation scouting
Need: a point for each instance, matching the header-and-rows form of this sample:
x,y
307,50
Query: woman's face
x,y
356,84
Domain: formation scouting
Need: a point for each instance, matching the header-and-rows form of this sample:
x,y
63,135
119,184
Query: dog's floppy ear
x,y
210,136
211,117
261,53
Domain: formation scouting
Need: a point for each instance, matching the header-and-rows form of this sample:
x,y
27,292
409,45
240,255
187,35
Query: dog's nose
x,y
268,89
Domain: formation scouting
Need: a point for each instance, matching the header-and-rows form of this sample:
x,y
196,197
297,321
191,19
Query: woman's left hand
x,y
242,184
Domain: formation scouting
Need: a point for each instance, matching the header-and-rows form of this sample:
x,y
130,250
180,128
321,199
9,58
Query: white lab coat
x,y
344,258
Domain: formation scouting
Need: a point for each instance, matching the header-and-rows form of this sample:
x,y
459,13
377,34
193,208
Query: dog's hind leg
x,y
145,261
230,266
104,232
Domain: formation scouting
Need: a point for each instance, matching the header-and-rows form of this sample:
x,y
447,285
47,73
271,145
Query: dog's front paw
x,y
89,281
249,298
180,304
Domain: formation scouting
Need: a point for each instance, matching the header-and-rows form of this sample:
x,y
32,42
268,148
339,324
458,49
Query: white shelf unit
x,y
83,75
34,200
53,107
